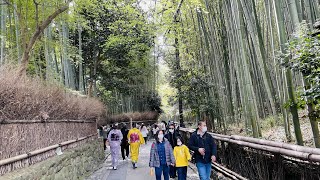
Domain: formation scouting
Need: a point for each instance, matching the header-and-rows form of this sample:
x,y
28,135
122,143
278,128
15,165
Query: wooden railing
x,y
262,159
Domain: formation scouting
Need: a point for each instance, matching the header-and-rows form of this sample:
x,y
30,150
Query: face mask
x,y
204,129
179,143
160,136
171,130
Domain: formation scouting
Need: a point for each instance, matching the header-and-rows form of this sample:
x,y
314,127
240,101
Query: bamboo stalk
x,y
218,168
296,151
296,154
237,176
278,144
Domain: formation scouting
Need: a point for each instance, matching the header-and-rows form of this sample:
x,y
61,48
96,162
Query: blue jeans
x,y
182,173
162,169
204,170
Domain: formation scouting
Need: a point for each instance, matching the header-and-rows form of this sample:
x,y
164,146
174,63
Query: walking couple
x,y
164,158
122,140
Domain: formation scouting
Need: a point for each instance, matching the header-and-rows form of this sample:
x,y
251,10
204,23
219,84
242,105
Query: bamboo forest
x,y
249,68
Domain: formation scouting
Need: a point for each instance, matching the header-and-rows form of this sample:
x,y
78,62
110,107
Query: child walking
x,y
182,155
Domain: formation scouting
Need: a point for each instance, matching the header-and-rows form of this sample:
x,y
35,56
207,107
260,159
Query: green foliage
x,y
154,101
114,49
118,37
304,56
300,100
193,86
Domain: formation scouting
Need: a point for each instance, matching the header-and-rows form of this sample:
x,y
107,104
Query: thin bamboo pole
x,y
40,151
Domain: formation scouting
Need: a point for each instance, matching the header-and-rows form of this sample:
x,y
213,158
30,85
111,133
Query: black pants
x,y
172,171
124,147
104,143
145,139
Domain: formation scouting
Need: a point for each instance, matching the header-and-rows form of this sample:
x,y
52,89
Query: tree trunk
x,y
81,85
283,40
3,33
311,108
177,56
255,33
35,37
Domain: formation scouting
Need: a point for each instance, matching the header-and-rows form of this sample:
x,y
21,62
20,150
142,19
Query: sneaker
x,y
134,165
114,167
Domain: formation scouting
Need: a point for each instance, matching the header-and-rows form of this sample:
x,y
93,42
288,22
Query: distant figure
x,y
137,126
124,143
205,150
100,131
135,140
155,129
163,126
114,138
182,155
105,136
172,136
149,131
144,132
161,156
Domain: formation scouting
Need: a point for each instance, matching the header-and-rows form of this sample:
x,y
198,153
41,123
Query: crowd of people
x,y
169,156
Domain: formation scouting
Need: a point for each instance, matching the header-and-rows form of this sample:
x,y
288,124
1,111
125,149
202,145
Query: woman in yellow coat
x,y
135,140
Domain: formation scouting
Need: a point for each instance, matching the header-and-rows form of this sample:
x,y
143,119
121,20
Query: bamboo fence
x,y
36,140
262,159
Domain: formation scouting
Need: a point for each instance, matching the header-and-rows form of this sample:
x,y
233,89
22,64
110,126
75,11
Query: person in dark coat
x,y
124,143
205,150
171,136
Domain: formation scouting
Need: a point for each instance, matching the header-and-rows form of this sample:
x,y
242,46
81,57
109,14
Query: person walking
x,y
114,138
161,156
104,137
124,143
163,126
182,155
144,132
155,129
171,136
149,131
205,150
135,140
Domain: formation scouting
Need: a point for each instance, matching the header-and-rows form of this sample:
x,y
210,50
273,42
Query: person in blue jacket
x,y
205,150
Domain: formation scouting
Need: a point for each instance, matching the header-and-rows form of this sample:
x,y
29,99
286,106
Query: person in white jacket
x,y
114,137
144,132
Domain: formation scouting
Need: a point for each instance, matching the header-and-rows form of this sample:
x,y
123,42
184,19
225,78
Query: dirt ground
x,y
277,133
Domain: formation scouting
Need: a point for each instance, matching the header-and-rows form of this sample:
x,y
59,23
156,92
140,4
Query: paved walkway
x,y
126,172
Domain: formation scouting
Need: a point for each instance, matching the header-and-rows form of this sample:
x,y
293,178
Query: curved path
x,y
126,172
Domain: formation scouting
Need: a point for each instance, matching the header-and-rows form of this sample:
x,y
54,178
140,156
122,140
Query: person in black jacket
x,y
124,143
171,136
205,150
